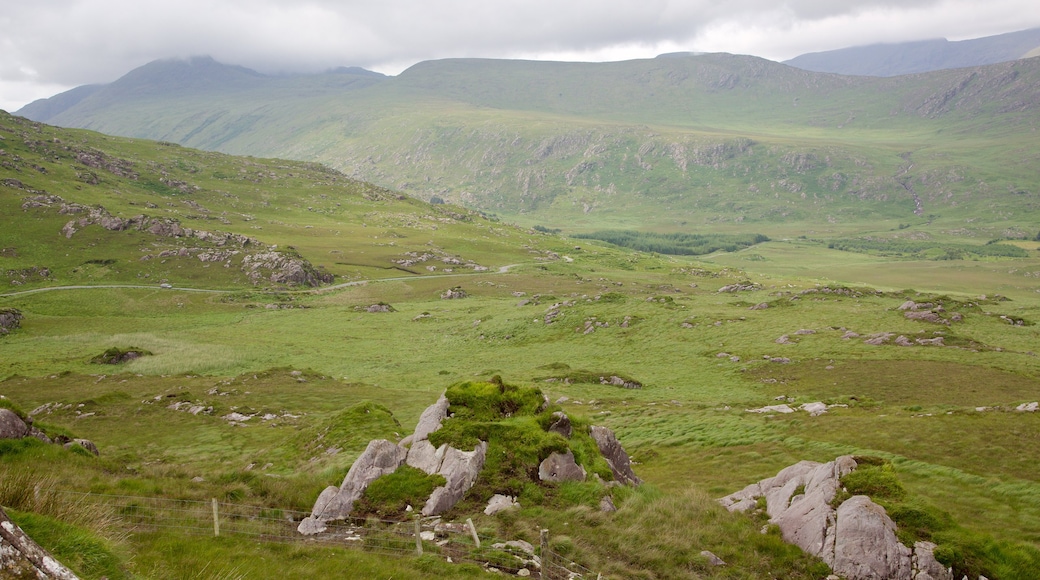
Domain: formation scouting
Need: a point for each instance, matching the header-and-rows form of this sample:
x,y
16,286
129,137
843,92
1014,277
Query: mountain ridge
x,y
894,59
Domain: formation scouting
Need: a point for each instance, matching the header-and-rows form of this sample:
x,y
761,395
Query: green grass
x,y
329,376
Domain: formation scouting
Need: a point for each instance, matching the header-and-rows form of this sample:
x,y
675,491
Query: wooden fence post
x,y
216,519
418,537
543,537
473,531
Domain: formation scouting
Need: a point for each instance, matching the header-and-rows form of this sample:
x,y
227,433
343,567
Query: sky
x,y
49,46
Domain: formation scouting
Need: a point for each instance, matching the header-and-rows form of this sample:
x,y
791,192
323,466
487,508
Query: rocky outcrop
x,y
618,460
21,557
460,470
500,503
431,419
84,443
454,293
380,458
11,425
561,424
561,467
857,539
10,319
259,263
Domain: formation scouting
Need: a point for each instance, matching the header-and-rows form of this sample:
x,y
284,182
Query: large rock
x,y
865,543
423,455
460,470
11,425
619,462
857,539
927,567
21,557
431,419
10,319
561,467
561,424
84,443
380,458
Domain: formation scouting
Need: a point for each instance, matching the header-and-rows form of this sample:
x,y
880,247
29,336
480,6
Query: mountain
x,y
886,60
655,143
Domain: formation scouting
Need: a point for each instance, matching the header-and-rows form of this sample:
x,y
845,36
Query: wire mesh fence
x,y
456,542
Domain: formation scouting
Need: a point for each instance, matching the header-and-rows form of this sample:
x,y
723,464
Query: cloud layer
x,y
54,45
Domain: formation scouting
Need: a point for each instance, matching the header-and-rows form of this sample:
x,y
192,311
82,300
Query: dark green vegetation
x,y
928,250
672,144
676,244
268,389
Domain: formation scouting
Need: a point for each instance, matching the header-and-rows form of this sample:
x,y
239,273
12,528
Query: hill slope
x,y
885,60
709,139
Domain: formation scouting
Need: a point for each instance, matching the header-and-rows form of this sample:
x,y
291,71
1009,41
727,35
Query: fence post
x,y
216,519
473,531
418,537
543,537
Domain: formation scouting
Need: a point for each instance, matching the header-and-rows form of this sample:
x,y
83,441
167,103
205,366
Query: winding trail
x,y
501,270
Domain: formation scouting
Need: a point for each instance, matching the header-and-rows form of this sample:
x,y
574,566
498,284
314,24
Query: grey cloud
x,y
71,42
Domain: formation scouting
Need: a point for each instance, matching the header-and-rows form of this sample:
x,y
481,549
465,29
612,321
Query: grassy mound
x,y
514,421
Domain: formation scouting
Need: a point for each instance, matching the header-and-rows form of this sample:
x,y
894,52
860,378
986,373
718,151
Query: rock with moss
x,y
115,355
381,457
11,425
460,470
561,467
21,557
856,537
618,460
10,319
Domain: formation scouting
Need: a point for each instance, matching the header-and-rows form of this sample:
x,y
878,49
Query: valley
x,y
891,273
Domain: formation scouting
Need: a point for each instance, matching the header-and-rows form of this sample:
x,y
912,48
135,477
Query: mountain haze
x,y
885,60
713,138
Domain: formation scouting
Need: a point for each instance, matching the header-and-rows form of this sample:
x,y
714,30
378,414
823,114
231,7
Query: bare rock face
x,y
561,424
611,449
561,467
431,418
11,425
865,543
20,557
460,470
857,540
423,455
499,503
380,458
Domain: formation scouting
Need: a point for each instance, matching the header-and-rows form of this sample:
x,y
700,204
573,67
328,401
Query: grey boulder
x,y
618,460
460,470
561,467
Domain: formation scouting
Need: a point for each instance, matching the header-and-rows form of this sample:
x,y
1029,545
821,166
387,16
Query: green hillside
x,y
668,143
261,391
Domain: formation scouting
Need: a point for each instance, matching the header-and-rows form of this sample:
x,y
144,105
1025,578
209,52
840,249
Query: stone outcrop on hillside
x,y
260,263
561,467
459,468
618,460
380,458
21,557
10,319
12,426
857,539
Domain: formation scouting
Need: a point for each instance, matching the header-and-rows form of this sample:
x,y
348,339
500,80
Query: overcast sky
x,y
48,46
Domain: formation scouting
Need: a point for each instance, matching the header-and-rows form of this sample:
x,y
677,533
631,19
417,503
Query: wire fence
x,y
456,542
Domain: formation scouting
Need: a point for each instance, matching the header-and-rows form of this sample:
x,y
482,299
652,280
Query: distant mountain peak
x,y
893,59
